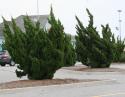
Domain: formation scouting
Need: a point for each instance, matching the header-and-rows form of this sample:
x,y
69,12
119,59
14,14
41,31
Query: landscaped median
x,y
86,69
34,83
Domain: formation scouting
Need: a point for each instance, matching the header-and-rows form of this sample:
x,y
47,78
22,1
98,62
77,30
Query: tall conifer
x,y
92,49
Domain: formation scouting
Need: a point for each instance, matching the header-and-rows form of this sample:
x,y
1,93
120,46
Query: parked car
x,y
5,58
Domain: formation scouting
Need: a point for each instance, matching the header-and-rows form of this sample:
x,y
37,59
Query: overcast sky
x,y
104,11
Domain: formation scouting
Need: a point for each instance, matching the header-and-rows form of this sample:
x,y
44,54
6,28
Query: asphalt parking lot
x,y
112,84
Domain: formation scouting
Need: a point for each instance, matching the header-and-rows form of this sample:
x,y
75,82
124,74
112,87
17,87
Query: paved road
x,y
75,90
7,74
113,85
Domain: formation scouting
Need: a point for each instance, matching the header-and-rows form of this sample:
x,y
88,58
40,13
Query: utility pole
x,y
119,12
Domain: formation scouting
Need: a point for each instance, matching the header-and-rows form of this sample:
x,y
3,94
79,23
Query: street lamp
x,y
119,11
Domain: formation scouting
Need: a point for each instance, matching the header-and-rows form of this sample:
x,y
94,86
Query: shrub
x,y
92,49
118,49
69,52
61,40
32,50
122,58
35,50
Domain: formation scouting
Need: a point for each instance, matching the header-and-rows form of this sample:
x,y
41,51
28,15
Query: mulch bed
x,y
33,83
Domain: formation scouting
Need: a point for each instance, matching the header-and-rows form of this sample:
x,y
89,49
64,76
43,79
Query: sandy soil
x,y
86,69
33,83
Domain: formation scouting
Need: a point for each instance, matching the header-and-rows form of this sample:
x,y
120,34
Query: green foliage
x,y
118,50
32,50
69,51
61,40
38,52
92,49
122,58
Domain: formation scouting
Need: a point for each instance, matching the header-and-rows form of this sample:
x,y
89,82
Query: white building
x,y
43,19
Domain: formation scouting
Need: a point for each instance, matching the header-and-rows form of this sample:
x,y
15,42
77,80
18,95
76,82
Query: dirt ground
x,y
86,69
33,83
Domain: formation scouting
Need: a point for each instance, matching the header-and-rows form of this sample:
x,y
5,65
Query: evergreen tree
x,y
61,40
32,50
38,52
118,49
92,49
69,51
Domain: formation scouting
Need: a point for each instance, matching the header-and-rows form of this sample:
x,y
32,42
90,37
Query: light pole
x,y
119,11
38,8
